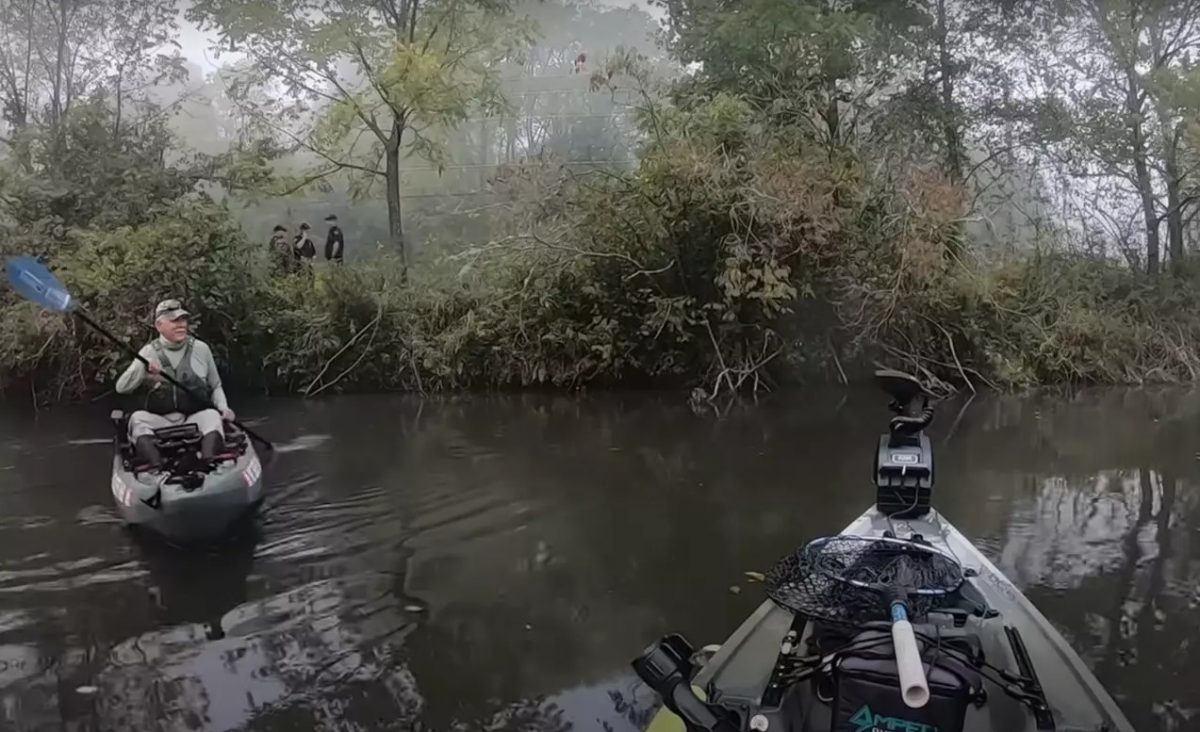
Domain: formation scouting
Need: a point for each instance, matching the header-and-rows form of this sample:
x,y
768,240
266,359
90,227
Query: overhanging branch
x,y
326,156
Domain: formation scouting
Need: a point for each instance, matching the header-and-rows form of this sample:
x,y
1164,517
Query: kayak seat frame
x,y
179,447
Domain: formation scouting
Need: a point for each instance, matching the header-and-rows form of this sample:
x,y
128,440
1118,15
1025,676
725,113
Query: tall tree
x,y
135,51
822,65
1117,100
555,111
398,73
54,53
959,52
17,69
1174,83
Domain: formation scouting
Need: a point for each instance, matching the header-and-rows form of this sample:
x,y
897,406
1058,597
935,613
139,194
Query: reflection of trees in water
x,y
84,612
1076,434
190,591
368,706
335,655
1070,530
275,652
1113,542
637,713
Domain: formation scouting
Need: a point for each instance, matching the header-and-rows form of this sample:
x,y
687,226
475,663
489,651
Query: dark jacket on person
x,y
304,246
335,244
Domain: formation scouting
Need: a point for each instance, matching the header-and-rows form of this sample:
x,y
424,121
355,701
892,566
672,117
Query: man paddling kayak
x,y
162,404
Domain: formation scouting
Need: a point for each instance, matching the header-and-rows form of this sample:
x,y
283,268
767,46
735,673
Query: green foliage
x,y
187,249
87,177
782,219
1051,319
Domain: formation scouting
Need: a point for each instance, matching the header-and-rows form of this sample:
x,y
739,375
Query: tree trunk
x,y
1146,192
1174,220
395,222
117,117
1174,181
56,105
510,139
832,113
24,153
485,155
485,143
1145,185
1171,135
954,155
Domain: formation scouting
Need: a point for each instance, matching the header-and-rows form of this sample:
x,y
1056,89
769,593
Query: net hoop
x,y
905,545
850,578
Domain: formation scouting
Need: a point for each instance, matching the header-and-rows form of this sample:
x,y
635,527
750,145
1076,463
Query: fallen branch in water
x,y
374,326
373,323
933,384
749,368
953,352
837,362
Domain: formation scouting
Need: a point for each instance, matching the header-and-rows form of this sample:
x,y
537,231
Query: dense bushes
x,y
188,248
1056,318
737,254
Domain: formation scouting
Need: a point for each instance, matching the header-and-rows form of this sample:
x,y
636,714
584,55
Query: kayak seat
x,y
179,445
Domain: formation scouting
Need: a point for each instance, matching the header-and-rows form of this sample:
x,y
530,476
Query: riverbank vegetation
x,y
771,193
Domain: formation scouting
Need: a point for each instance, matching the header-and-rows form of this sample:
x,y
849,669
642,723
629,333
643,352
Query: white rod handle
x,y
913,686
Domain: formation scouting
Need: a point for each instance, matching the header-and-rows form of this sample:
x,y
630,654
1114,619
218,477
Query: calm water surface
x,y
494,563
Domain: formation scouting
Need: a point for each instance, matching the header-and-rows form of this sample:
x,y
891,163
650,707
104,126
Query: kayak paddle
x,y
33,281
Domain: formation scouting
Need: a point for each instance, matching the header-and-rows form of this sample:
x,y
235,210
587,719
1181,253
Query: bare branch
x,y
329,158
369,72
309,180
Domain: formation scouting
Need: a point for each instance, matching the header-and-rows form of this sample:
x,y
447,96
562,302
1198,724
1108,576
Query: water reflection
x,y
494,563
1110,574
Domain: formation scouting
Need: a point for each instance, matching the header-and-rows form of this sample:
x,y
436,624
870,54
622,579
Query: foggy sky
x,y
196,43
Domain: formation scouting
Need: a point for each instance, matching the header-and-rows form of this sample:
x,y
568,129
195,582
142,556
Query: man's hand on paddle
x,y
153,372
228,415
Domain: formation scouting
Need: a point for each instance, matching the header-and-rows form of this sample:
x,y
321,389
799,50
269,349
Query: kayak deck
x,y
226,495
743,676
187,500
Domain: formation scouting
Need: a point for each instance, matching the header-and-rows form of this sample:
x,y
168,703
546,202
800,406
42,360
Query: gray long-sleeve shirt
x,y
203,366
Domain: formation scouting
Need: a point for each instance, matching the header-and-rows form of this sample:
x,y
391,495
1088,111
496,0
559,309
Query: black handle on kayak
x,y
667,668
132,351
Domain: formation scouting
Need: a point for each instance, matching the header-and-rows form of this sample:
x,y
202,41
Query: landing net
x,y
854,579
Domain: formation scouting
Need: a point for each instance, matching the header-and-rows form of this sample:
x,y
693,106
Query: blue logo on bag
x,y
865,721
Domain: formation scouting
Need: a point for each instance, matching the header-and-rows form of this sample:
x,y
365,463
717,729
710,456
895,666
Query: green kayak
x,y
985,658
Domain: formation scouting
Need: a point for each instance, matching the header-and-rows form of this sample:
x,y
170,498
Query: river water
x,y
493,563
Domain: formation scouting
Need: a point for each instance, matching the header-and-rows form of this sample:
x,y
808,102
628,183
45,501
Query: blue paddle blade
x,y
33,281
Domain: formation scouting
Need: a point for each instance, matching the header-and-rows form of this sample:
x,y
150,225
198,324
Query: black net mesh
x,y
821,580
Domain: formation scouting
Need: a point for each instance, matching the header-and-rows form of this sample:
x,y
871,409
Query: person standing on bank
x,y
335,244
305,249
162,404
279,250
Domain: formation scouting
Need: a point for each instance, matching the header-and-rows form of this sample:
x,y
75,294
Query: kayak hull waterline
x,y
201,506
738,674
962,651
